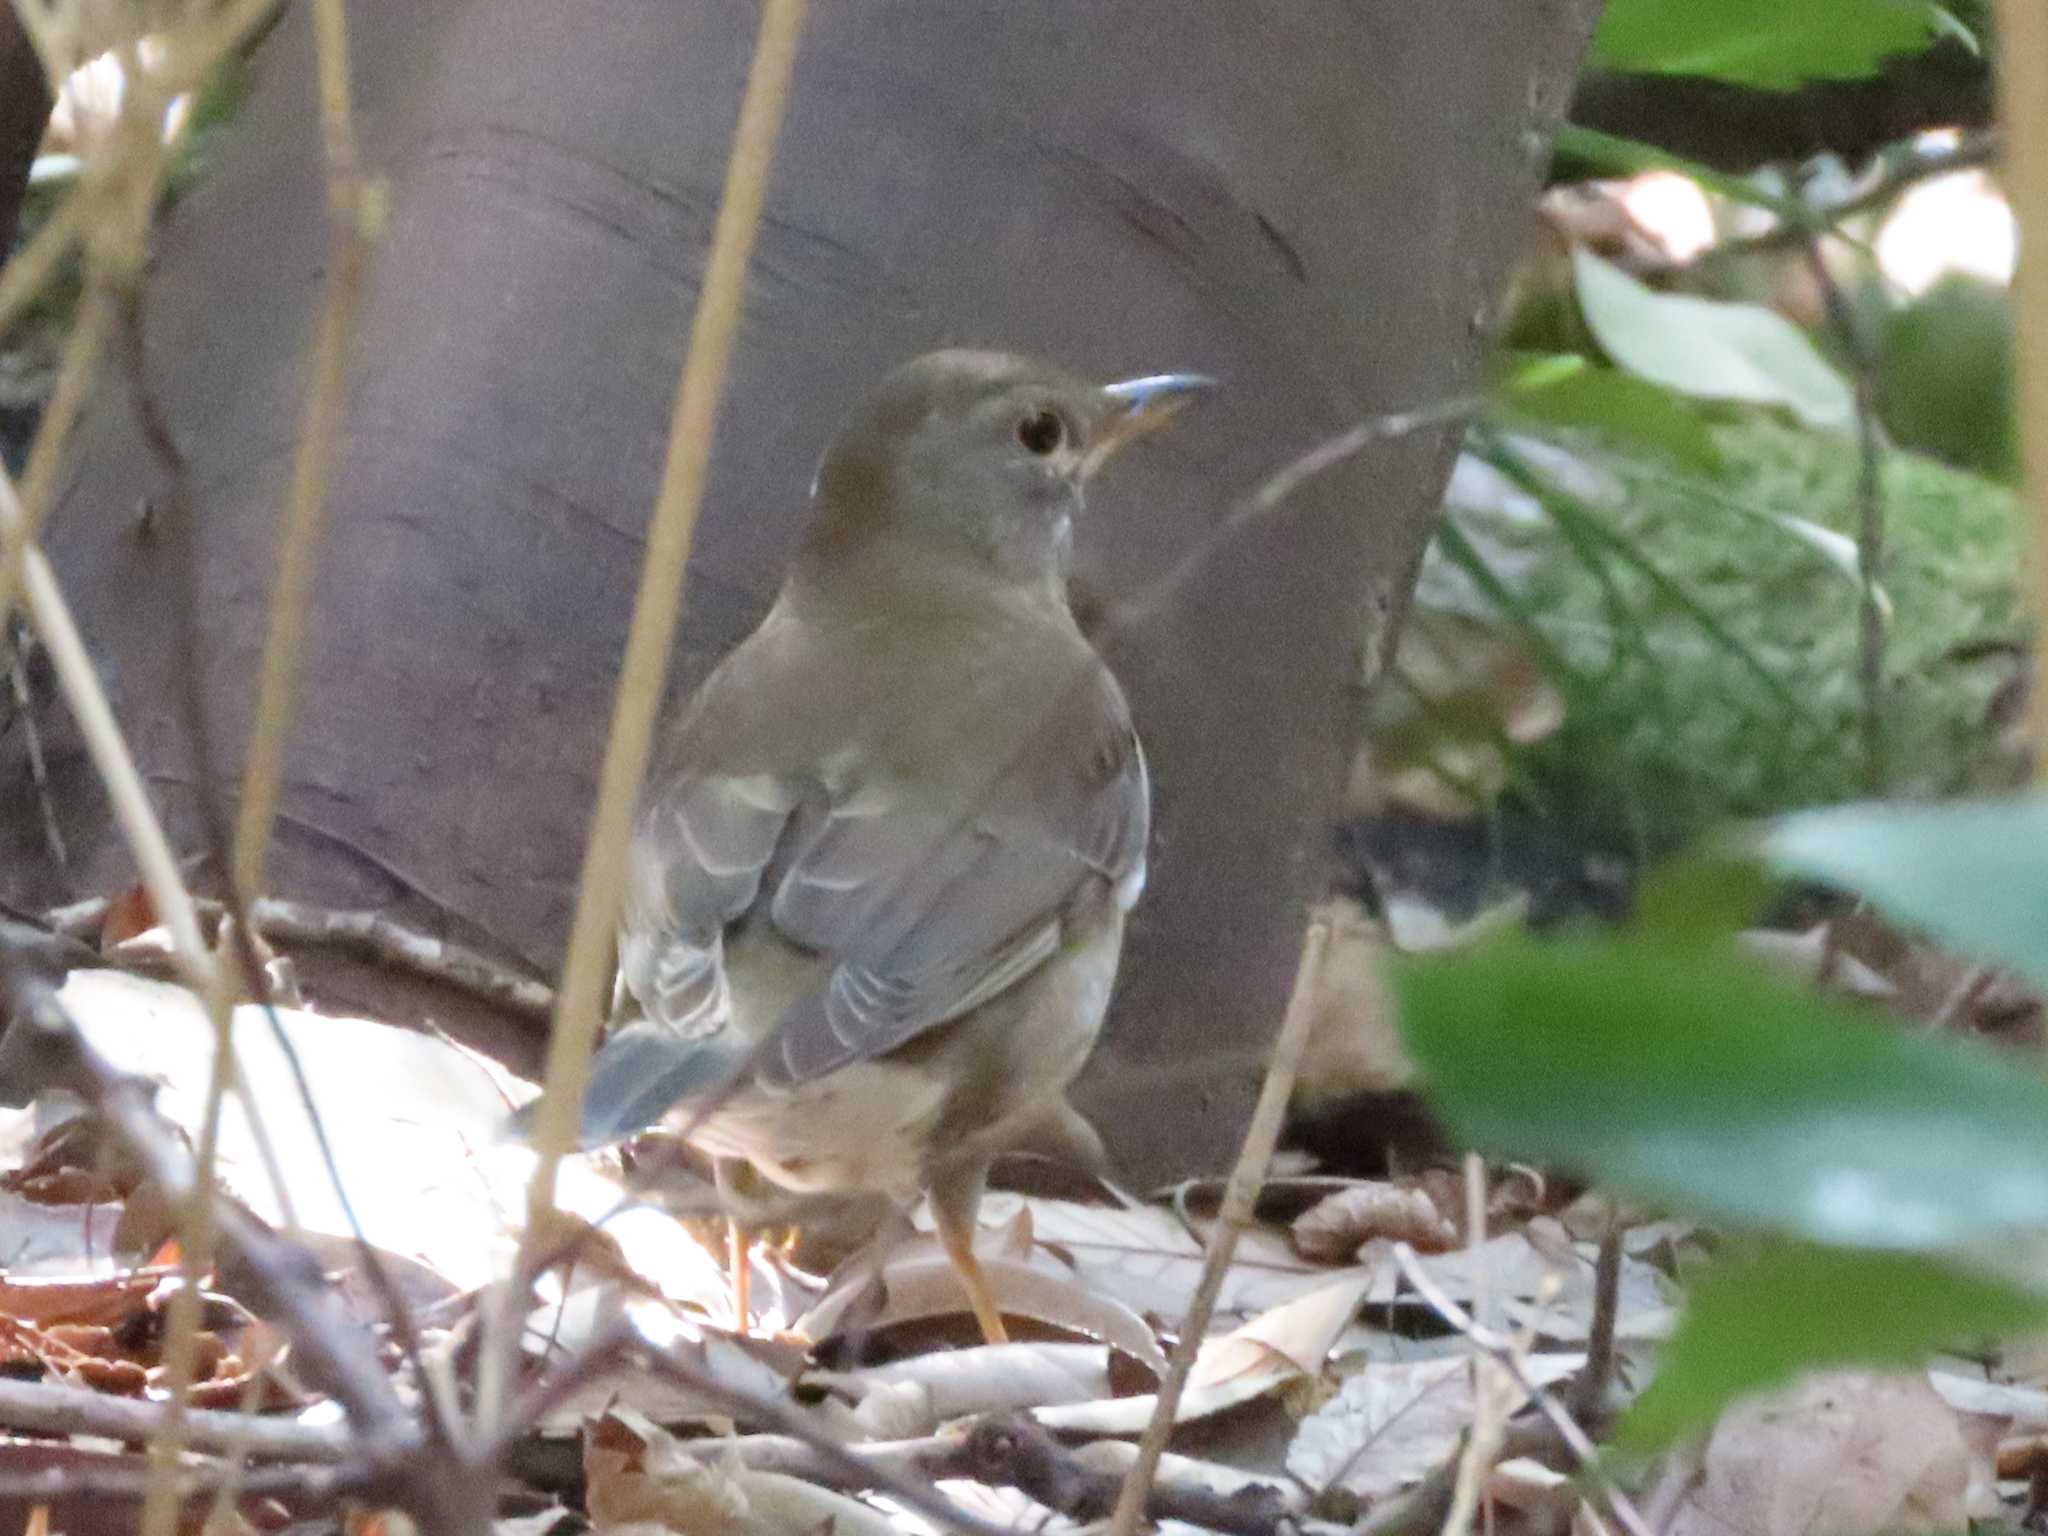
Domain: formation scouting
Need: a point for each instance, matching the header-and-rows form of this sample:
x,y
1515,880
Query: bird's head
x,y
979,457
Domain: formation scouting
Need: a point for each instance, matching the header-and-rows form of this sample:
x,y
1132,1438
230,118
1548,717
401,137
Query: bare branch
x,y
53,1408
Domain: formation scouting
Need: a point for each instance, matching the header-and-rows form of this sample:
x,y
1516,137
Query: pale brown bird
x,y
878,885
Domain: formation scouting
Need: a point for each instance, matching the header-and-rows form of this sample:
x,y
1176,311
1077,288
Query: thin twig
x,y
373,935
1870,541
238,938
1974,150
1489,1411
1509,1357
280,1279
31,267
54,1408
380,938
1013,1451
31,505
2023,109
122,1480
38,768
133,812
1423,1508
1277,489
195,1216
622,1349
714,328
1239,1197
348,249
1587,1395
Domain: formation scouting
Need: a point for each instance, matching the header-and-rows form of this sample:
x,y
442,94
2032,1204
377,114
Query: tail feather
x,y
641,1073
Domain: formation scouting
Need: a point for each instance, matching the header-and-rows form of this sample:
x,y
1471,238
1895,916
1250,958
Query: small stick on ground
x,y
1565,1429
1586,1397
1238,1199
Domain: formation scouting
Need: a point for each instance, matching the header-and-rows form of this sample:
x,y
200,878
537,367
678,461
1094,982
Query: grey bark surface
x,y
1314,200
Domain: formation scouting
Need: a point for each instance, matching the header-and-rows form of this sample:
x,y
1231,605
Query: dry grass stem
x,y
1239,1197
2022,27
714,328
1558,1425
31,503
1489,1390
133,812
349,205
35,263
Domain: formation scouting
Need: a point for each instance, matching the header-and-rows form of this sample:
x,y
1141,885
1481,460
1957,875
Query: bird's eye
x,y
1042,432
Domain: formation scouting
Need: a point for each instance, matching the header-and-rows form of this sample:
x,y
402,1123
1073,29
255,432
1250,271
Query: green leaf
x,y
1701,1082
1756,1322
1707,895
1545,388
1972,872
1763,43
1709,349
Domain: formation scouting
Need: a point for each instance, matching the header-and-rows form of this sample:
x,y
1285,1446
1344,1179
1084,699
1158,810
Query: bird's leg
x,y
735,1192
956,1198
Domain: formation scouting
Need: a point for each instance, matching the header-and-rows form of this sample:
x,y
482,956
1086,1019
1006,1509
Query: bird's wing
x,y
699,855
932,905
703,842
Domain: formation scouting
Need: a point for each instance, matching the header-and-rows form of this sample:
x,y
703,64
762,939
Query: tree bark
x,y
1312,199
24,109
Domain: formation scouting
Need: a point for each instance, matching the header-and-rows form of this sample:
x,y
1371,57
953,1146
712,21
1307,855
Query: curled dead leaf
x,y
1335,1227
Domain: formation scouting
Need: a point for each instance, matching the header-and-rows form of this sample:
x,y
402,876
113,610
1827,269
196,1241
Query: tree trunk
x,y
1314,200
24,109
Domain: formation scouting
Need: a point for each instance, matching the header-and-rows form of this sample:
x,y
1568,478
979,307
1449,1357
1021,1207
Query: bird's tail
x,y
641,1073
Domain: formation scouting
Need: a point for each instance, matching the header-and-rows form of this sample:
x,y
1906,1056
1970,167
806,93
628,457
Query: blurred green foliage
x,y
1708,649
1946,376
1766,43
1898,1179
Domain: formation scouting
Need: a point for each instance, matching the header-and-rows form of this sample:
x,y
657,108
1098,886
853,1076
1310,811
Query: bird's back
x,y
937,789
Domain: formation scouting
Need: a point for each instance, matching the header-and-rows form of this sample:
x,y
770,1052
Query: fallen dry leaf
x,y
1333,1229
914,1396
1279,1347
1542,1280
918,1282
1849,1451
71,1240
1146,1258
639,1476
106,1300
1390,1423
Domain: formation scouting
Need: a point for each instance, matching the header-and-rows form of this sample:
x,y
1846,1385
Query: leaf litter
x,y
1325,1373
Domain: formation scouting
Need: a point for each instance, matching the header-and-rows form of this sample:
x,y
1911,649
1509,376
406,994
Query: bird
x,y
877,885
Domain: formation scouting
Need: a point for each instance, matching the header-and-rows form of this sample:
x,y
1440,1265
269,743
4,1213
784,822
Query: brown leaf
x,y
1333,1229
129,915
919,1282
120,1378
1849,1451
1273,1351
107,1301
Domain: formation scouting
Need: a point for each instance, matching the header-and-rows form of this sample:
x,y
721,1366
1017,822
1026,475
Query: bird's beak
x,y
1136,407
